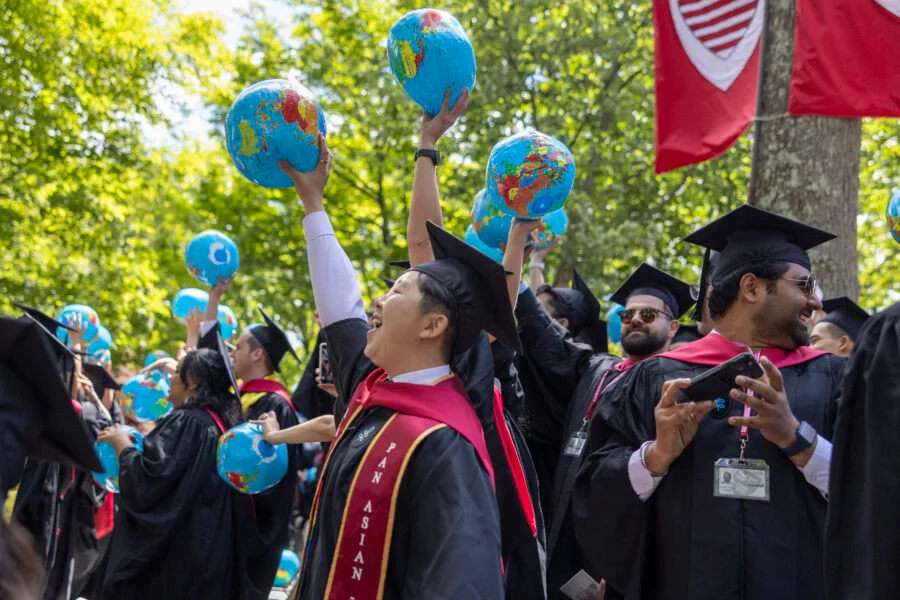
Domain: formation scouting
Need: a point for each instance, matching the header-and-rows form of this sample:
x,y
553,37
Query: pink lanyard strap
x,y
597,392
745,431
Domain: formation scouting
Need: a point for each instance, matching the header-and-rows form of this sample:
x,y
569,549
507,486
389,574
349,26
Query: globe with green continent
x,y
270,121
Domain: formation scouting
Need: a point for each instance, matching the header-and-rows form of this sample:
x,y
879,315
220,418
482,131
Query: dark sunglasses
x,y
807,285
648,315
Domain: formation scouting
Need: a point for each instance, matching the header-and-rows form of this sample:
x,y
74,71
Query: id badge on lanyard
x,y
578,440
742,478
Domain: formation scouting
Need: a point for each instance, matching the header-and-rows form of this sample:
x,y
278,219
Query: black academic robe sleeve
x,y
861,550
452,542
174,535
349,365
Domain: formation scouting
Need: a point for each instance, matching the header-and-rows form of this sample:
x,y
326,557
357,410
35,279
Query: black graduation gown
x,y
57,504
264,528
446,541
308,399
683,543
861,550
175,531
563,378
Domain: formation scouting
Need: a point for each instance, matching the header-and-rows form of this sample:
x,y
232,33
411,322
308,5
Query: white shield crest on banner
x,y
893,6
719,36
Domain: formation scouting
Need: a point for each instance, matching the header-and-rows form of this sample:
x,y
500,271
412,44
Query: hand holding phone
x,y
325,375
719,381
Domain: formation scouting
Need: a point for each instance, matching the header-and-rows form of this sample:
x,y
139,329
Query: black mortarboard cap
x,y
477,285
30,382
593,325
65,356
213,340
100,378
388,282
273,340
749,234
648,280
845,314
402,264
686,334
45,320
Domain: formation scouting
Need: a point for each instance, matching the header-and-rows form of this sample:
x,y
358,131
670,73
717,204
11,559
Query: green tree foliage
x,y
93,211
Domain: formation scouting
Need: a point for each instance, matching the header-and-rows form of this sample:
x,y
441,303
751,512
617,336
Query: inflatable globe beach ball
x,y
228,323
89,318
212,255
529,174
555,224
144,397
101,357
429,52
614,324
270,121
155,356
102,342
473,240
187,300
288,568
893,216
490,223
247,462
107,454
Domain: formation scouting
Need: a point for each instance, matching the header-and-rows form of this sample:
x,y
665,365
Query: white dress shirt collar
x,y
423,376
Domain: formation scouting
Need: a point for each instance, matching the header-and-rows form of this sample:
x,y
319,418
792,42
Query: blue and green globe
x,y
529,174
188,300
288,568
555,224
429,52
270,121
211,255
473,240
145,397
490,223
109,480
893,216
247,462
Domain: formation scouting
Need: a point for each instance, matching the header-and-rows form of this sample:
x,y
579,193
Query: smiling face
x,y
400,328
247,356
178,391
785,311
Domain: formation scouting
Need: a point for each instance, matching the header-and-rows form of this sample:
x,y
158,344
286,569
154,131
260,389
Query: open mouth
x,y
805,314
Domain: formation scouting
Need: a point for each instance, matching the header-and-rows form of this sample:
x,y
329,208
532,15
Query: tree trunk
x,y
806,168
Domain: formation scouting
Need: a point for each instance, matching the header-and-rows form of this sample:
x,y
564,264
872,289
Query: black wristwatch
x,y
806,437
431,153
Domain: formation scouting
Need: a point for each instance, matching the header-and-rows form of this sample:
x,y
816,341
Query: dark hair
x,y
563,308
436,298
20,568
725,289
205,368
255,345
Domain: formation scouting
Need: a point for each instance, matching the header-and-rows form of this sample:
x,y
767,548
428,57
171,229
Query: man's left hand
x,y
774,418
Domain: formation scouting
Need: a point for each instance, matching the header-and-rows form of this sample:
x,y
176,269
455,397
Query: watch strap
x,y
431,153
801,443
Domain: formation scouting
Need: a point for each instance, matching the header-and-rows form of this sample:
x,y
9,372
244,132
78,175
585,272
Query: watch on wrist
x,y
432,153
806,437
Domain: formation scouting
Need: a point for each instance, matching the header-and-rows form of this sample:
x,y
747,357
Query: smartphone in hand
x,y
719,381
325,375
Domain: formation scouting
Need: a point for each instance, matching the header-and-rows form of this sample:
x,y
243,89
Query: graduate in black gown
x,y
653,302
644,505
175,534
37,421
839,329
496,395
434,531
257,358
861,550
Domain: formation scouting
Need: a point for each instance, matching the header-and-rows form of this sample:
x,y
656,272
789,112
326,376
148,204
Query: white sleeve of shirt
x,y
523,287
818,468
334,280
205,326
643,483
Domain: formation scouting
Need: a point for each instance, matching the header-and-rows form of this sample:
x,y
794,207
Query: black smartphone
x,y
324,366
718,381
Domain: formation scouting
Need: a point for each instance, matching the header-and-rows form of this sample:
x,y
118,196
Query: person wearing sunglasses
x,y
653,499
653,301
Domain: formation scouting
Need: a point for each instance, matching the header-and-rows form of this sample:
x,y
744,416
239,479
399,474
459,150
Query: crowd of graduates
x,y
473,435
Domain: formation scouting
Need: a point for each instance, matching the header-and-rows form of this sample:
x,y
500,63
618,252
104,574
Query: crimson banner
x,y
706,59
846,58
